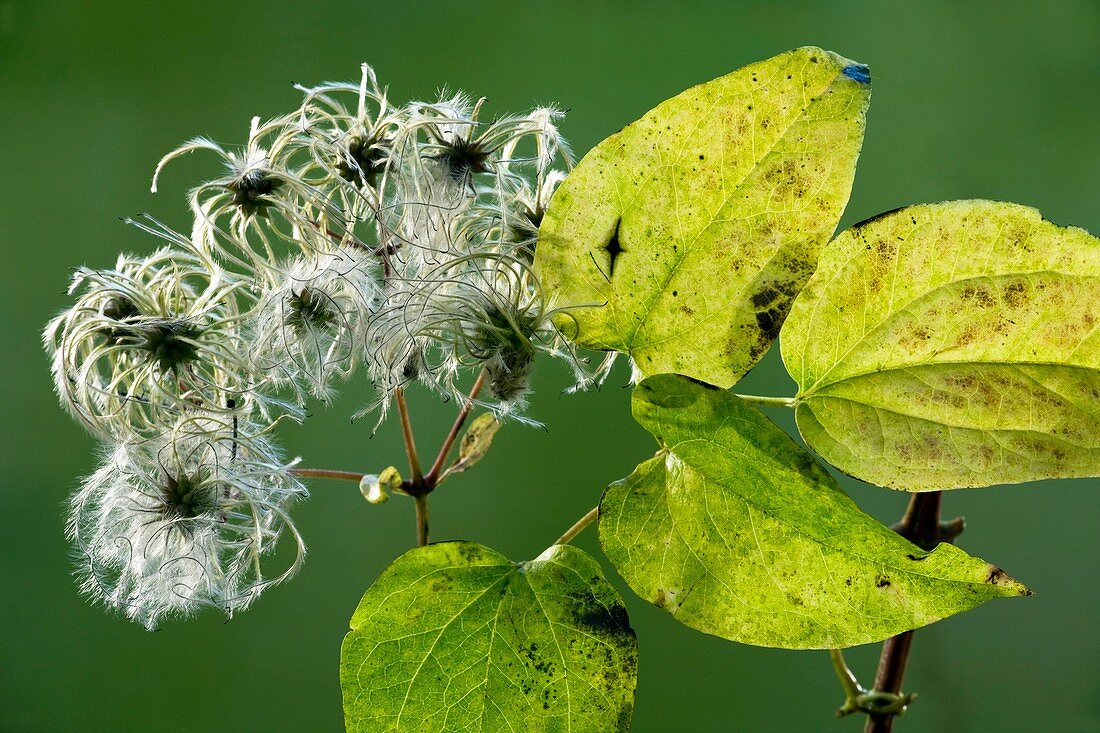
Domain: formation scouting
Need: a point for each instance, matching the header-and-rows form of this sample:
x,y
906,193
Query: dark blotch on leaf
x,y
625,715
601,620
769,322
765,297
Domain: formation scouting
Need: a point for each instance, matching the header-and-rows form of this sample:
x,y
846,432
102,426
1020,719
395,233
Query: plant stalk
x,y
920,525
421,519
768,401
326,473
410,442
578,526
420,485
445,450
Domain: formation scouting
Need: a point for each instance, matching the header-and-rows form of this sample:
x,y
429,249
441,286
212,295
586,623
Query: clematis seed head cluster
x,y
349,235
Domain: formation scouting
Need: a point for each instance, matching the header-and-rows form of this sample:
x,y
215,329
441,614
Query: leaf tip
x,y
999,578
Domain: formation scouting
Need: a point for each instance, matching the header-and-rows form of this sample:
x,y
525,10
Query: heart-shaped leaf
x,y
456,637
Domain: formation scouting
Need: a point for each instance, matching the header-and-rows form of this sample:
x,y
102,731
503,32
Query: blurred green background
x,y
997,100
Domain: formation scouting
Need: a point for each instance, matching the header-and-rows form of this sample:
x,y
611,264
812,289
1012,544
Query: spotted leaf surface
x,y
736,531
456,637
952,345
682,239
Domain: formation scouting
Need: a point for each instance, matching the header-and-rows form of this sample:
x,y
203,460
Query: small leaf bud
x,y
376,488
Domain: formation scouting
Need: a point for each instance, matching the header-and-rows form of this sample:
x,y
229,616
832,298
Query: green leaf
x,y
455,637
682,239
952,345
736,531
475,444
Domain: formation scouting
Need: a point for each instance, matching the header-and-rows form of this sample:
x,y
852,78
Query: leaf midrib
x,y
901,311
815,539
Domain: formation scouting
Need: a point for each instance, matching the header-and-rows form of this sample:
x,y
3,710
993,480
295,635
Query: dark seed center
x,y
117,308
250,190
310,308
184,496
366,159
169,343
463,157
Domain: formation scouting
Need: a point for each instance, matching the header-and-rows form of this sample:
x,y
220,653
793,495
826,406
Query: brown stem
x,y
445,450
420,485
326,473
921,525
421,519
410,442
921,521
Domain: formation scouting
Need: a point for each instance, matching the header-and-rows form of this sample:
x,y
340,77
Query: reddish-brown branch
x,y
445,450
410,442
421,519
420,485
326,473
921,525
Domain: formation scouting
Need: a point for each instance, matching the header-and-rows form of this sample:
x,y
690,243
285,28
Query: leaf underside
x,y
736,531
682,239
456,637
951,345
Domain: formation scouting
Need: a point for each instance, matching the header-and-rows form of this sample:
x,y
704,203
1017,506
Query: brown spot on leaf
x,y
1016,293
977,295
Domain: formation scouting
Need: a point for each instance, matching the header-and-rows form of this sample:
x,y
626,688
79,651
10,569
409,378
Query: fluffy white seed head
x,y
170,525
149,340
307,331
348,232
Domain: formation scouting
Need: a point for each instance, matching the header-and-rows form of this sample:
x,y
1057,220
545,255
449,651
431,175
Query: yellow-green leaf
x,y
682,239
475,443
952,345
736,531
456,637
